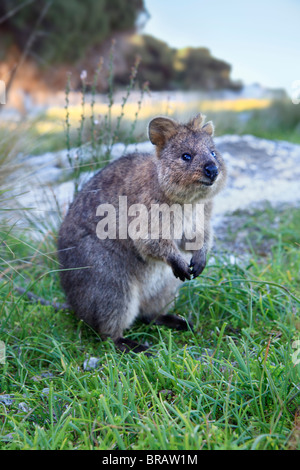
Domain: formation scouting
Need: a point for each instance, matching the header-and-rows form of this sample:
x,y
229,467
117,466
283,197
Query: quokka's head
x,y
189,166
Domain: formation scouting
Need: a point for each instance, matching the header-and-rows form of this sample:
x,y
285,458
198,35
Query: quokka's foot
x,y
173,321
128,345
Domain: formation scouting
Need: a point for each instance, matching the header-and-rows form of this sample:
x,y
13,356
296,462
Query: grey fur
x,y
109,283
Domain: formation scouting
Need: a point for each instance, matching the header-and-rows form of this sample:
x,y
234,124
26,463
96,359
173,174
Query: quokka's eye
x,y
213,154
186,157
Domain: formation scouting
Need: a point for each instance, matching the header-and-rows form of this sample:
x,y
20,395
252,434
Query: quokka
x,y
109,282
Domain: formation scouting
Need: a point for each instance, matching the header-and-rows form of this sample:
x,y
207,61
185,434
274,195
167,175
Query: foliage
x,y
70,27
167,68
196,69
156,61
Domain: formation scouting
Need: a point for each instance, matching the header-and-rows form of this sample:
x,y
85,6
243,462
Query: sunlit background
x,y
260,39
74,65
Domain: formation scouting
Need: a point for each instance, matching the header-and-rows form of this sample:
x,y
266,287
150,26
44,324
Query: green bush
x,y
69,27
168,68
195,68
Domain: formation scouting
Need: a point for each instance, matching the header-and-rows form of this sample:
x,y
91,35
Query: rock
x,y
8,437
6,400
259,170
91,363
22,406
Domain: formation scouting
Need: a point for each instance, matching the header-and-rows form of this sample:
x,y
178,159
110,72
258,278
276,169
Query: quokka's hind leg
x,y
169,320
127,318
155,309
128,345
174,321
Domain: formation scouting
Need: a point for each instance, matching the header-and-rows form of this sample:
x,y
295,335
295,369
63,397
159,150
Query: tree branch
x,y
28,46
15,10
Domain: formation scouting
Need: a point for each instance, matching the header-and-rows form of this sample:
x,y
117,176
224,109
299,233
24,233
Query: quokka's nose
x,y
211,171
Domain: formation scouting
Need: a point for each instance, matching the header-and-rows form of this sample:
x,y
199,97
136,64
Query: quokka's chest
x,y
176,220
157,221
189,227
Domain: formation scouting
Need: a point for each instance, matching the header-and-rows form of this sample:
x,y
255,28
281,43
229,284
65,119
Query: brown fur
x,y
109,283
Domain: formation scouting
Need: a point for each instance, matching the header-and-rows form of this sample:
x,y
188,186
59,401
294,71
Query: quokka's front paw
x,y
180,268
198,263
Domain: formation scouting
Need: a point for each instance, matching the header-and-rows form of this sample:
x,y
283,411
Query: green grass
x,y
229,384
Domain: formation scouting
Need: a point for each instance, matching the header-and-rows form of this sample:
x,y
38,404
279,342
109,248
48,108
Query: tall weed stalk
x,y
97,135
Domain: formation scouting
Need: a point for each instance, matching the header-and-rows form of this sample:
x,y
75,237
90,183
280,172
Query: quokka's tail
x,y
56,305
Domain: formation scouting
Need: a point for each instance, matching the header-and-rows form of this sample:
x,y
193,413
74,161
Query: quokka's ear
x,y
209,128
161,129
196,123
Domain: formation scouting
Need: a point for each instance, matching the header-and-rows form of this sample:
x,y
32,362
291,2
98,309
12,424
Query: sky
x,y
259,38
